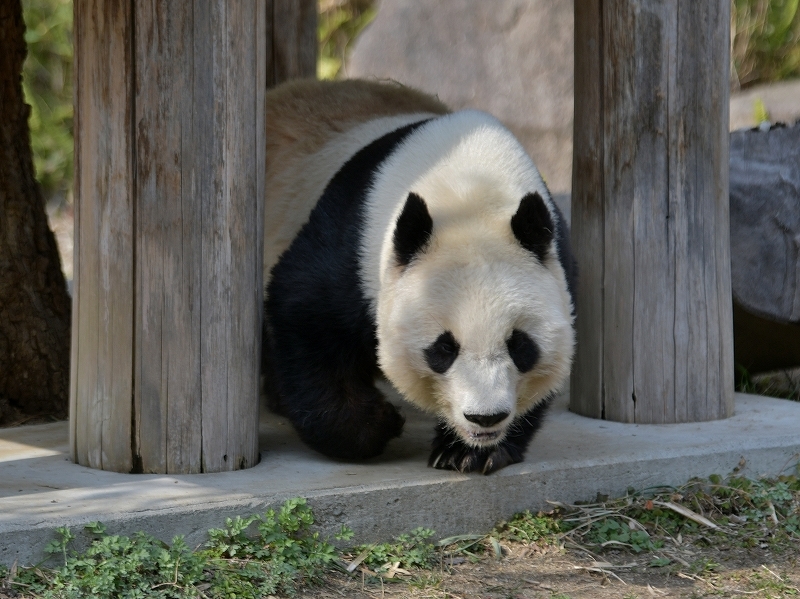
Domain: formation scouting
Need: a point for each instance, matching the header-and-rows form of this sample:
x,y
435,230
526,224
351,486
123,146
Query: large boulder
x,y
512,58
765,247
765,221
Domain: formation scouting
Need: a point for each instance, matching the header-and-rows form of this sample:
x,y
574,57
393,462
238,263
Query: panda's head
x,y
475,318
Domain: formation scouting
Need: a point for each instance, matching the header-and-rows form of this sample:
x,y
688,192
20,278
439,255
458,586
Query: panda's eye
x,y
523,350
441,354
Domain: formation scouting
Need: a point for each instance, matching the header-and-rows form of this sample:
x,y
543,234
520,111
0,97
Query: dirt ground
x,y
531,572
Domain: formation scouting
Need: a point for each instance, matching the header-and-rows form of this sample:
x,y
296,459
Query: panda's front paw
x,y
451,453
473,459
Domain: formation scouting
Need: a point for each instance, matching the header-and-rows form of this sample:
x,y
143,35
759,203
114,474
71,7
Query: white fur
x,y
293,191
474,279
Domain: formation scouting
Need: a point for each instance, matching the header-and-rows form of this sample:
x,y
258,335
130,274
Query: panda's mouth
x,y
480,438
483,436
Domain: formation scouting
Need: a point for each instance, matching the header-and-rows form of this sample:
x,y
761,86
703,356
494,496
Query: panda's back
x,y
313,129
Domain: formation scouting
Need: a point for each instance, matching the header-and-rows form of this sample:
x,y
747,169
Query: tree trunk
x,y
34,304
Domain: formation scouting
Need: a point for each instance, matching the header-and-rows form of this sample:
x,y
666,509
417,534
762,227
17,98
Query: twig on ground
x,y
603,571
687,513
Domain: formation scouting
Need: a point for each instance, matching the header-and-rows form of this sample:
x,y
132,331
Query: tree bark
x,y
34,303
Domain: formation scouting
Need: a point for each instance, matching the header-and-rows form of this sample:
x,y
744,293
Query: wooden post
x,y
292,30
650,211
169,151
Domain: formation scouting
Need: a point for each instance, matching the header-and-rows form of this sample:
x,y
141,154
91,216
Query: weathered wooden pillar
x,y
292,31
650,211
169,152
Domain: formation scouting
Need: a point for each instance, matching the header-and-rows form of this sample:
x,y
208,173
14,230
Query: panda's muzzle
x,y
486,420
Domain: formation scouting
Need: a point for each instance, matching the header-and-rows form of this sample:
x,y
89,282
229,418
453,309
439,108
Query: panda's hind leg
x,y
450,452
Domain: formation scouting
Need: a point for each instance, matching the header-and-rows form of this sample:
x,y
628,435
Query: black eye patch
x,y
523,350
441,354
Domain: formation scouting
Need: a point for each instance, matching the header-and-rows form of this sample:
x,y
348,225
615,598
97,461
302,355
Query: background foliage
x,y
765,41
765,47
340,22
47,83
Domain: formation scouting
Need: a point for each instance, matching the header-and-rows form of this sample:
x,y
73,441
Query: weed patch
x,y
408,552
663,530
735,510
282,556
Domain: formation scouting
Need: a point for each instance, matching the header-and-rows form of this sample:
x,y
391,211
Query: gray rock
x,y
765,221
512,58
765,248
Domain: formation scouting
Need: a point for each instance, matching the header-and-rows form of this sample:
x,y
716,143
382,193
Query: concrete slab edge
x,y
463,505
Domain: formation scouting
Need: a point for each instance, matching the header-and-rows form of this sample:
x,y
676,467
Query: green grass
x,y
406,552
340,22
281,555
735,510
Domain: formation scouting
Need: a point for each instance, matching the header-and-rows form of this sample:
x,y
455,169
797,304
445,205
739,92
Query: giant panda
x,y
409,241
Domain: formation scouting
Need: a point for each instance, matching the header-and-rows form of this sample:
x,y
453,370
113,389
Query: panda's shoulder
x,y
311,112
312,129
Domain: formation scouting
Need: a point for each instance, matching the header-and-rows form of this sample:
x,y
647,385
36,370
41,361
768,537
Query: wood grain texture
x,y
587,209
291,40
658,325
168,398
101,387
199,113
231,306
171,230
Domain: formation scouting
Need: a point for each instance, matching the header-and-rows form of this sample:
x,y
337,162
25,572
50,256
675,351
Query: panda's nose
x,y
486,420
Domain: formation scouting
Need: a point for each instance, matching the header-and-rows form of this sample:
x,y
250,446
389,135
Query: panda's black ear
x,y
533,226
413,230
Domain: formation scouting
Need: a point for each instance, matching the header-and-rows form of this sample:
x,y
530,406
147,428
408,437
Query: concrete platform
x,y
572,458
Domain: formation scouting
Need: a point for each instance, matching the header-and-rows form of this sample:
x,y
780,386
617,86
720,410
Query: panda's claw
x,y
465,459
450,452
432,462
499,458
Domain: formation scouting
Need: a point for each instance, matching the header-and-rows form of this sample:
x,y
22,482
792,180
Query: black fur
x,y
451,453
441,354
413,230
523,350
322,343
533,226
565,256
